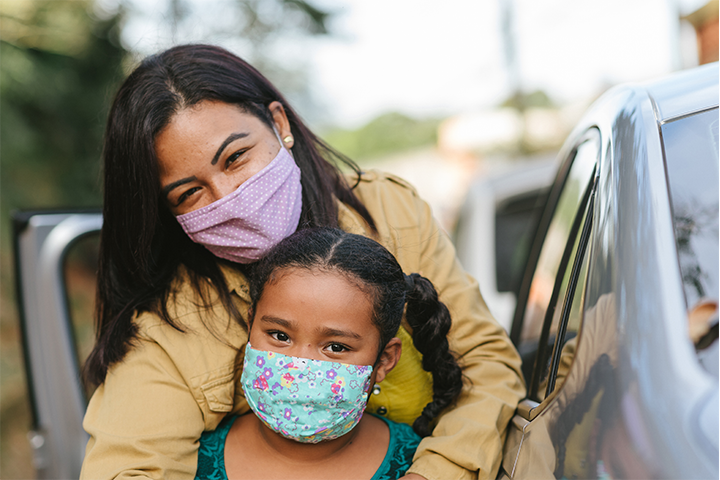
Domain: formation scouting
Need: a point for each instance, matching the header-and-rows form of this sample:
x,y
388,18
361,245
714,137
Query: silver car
x,y
617,316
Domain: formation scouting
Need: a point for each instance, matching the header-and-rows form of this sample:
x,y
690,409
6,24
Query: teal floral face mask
x,y
302,399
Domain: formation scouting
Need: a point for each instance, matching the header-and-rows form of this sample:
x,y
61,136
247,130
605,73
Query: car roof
x,y
684,93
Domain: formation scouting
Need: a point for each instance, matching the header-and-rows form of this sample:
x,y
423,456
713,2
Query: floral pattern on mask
x,y
303,399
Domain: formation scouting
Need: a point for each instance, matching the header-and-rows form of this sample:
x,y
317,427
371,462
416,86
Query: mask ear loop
x,y
379,356
277,135
282,144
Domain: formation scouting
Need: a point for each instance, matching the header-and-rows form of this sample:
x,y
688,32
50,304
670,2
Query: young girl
x,y
326,306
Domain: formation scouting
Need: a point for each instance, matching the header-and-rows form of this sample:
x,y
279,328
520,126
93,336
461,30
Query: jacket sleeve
x,y
146,419
143,420
468,439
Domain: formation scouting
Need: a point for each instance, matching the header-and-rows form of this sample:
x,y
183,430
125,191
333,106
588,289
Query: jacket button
x,y
381,411
376,390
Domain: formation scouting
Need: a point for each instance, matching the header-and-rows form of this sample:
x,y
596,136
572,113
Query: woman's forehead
x,y
197,132
215,111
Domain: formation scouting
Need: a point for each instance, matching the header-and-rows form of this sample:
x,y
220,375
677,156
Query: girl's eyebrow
x,y
324,331
334,332
277,321
227,141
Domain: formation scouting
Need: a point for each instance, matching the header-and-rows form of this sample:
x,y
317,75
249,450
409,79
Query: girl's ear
x,y
389,357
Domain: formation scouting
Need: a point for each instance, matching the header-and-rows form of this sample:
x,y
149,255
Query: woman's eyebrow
x,y
227,141
168,188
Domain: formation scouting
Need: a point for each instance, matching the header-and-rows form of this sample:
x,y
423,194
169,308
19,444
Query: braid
x,y
430,321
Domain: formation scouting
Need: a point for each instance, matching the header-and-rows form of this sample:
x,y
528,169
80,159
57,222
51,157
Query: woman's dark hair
x,y
375,270
142,245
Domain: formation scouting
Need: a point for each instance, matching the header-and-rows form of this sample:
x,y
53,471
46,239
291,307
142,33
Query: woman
x,y
326,306
203,158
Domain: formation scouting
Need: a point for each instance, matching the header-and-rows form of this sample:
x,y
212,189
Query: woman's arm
x,y
145,420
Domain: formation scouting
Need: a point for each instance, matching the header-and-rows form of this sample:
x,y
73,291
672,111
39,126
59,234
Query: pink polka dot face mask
x,y
244,225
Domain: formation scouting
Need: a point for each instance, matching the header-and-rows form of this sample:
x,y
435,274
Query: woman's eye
x,y
231,159
280,336
186,194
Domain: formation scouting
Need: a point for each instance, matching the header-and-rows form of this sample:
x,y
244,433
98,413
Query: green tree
x,y
60,66
523,100
270,34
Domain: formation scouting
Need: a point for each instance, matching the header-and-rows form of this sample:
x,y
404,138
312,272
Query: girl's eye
x,y
280,336
337,348
186,194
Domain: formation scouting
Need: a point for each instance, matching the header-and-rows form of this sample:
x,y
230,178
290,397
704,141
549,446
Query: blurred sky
x,y
435,58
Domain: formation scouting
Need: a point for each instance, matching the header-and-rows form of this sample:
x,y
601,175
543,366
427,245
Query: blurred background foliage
x,y
60,64
389,133
59,68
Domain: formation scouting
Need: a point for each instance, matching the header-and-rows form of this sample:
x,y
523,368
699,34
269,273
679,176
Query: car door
x,y
550,307
55,264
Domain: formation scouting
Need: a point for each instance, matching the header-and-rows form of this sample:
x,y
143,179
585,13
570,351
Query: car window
x,y
691,158
557,345
80,274
569,202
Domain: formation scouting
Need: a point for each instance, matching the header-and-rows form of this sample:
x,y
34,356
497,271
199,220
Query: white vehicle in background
x,y
495,226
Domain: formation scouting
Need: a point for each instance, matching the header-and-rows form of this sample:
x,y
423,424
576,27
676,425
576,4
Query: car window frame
x,y
543,225
581,256
573,161
673,188
583,218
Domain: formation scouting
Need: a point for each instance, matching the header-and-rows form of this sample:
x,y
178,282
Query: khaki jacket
x,y
146,419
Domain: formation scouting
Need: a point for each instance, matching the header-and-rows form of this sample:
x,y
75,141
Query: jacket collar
x,y
236,281
351,221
